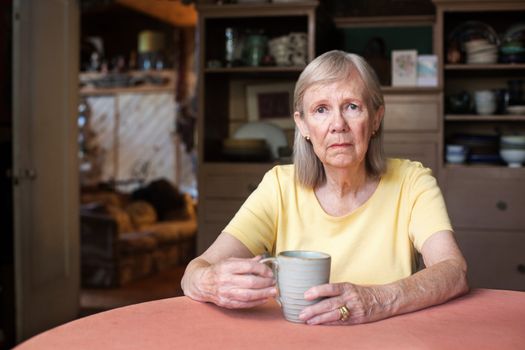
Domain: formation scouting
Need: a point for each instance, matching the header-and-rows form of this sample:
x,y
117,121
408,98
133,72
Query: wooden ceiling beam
x,y
170,11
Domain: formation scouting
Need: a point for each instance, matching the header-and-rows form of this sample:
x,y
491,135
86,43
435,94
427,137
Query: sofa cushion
x,y
121,217
168,202
141,213
167,232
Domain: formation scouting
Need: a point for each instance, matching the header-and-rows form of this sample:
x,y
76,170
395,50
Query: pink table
x,y
483,319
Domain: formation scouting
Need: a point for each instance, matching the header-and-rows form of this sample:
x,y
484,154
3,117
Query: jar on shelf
x,y
255,48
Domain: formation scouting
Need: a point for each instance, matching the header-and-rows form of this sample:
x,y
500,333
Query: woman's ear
x,y
299,122
378,118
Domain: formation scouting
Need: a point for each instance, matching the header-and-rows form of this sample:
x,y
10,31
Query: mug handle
x,y
274,264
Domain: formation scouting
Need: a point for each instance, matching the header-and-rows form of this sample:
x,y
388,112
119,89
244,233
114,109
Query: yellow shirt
x,y
374,244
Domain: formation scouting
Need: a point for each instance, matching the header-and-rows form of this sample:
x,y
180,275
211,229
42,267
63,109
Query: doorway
x,y
135,154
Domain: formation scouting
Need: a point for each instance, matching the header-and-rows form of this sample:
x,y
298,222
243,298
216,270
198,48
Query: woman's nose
x,y
338,122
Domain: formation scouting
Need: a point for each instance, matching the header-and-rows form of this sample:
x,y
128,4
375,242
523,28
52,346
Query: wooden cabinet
x,y
224,185
494,258
486,202
412,125
487,207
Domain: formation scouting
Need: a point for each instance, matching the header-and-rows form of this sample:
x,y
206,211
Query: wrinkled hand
x,y
239,283
366,304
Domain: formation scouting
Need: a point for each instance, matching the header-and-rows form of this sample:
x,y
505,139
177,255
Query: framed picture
x,y
427,70
271,103
404,67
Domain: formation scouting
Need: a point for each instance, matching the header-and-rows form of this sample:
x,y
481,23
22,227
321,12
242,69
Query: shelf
x,y
494,169
273,69
257,9
384,21
495,66
409,89
485,118
90,90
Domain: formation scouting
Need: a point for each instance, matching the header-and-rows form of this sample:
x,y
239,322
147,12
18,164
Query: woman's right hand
x,y
236,283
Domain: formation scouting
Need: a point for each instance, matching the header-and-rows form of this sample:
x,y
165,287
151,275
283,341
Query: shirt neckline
x,y
356,210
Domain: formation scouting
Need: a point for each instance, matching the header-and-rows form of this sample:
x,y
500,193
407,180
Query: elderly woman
x,y
341,196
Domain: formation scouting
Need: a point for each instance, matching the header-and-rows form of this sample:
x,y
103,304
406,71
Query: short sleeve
x,y
255,222
429,214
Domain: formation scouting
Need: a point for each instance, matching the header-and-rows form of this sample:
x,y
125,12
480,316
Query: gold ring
x,y
345,313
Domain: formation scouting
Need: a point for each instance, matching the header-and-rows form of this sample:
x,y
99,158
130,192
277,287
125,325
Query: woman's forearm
x,y
430,286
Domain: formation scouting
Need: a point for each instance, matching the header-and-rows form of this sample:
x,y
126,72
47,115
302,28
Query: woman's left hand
x,y
365,304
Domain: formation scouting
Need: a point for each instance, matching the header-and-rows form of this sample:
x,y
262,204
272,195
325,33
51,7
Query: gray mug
x,y
297,271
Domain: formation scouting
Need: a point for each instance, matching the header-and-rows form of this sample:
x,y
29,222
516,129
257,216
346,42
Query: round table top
x,y
482,319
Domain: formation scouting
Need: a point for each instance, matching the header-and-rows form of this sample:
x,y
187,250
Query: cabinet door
x,y
222,190
45,80
206,234
214,215
495,259
426,153
411,113
487,202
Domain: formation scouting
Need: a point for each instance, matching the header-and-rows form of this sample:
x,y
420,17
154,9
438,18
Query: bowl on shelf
x,y
516,109
513,157
512,150
509,141
456,154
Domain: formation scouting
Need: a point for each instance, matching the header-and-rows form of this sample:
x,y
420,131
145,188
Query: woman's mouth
x,y
339,145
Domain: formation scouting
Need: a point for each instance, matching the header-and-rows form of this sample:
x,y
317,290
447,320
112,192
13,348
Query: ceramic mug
x,y
297,271
485,102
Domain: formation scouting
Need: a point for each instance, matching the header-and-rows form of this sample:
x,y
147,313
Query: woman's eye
x,y
321,109
353,107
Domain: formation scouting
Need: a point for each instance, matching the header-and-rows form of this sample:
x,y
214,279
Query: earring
x,y
307,138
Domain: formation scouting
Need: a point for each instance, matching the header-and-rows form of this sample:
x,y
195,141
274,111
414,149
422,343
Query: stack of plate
x,y
273,135
516,109
478,42
481,51
246,150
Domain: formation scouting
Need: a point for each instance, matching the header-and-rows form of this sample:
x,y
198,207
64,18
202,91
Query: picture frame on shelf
x,y
404,67
271,102
427,70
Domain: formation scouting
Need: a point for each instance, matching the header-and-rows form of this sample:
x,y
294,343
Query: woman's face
x,y
337,121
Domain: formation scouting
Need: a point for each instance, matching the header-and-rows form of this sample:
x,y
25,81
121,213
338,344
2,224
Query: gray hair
x,y
330,67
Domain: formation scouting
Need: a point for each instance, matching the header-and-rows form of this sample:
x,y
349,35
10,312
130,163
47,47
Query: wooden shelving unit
x,y
486,202
224,183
